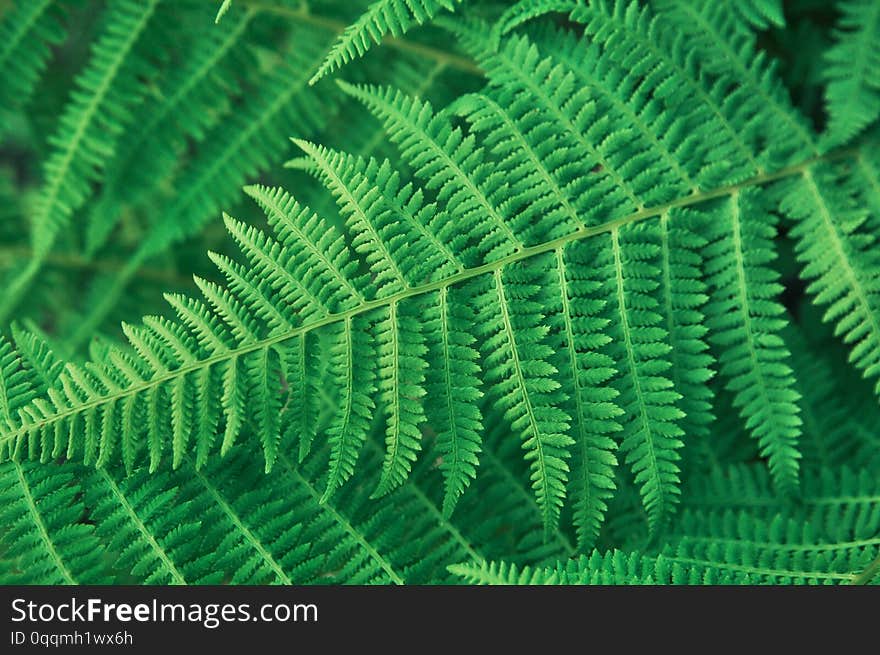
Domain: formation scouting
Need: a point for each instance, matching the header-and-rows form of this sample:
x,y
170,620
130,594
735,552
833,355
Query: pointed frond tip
x,y
379,19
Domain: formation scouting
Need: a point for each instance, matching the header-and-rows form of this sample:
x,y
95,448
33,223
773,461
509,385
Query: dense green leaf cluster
x,y
546,292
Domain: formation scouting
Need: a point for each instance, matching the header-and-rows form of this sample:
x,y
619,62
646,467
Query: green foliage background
x,y
549,291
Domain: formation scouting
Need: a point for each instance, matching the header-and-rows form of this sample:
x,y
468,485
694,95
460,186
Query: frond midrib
x,y
794,548
757,570
139,524
546,506
522,254
251,538
343,522
842,256
744,307
637,381
41,526
95,101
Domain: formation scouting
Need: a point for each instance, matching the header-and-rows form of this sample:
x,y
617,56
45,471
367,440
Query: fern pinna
x,y
601,307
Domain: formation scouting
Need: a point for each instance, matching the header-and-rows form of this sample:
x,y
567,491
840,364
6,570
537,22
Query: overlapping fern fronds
x,y
564,288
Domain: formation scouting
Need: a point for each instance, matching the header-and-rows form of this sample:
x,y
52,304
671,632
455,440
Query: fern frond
x,y
451,163
730,54
88,131
401,361
453,393
380,18
612,567
835,250
27,32
233,152
537,183
758,13
189,104
581,335
225,522
501,274
503,573
684,295
193,374
852,96
831,416
761,13
41,510
16,385
760,545
640,349
744,321
622,121
401,253
350,426
840,503
655,64
536,240
523,11
517,364
731,548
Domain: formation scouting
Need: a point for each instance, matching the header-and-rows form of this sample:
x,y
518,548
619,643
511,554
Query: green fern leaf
x,y
744,321
27,33
565,239
517,363
835,250
232,154
761,13
87,131
640,349
380,18
188,105
453,393
853,92
41,512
